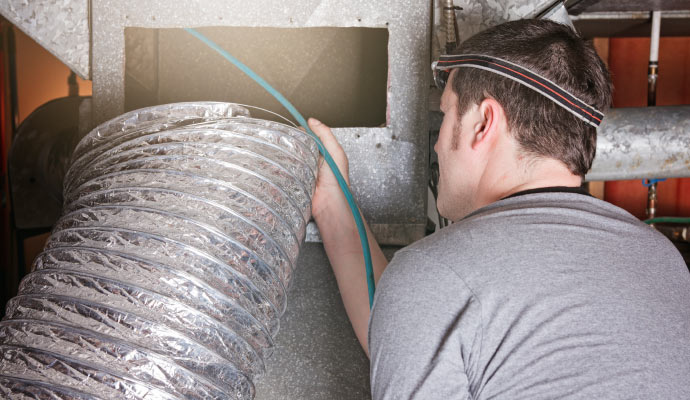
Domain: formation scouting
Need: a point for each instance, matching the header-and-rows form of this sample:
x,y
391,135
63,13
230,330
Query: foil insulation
x,y
166,276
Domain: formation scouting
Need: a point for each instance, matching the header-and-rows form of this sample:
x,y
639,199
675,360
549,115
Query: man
x,y
538,290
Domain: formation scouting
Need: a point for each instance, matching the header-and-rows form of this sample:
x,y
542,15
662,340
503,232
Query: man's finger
x,y
323,132
331,144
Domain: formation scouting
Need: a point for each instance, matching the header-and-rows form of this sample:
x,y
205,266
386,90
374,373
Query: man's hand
x,y
328,193
340,236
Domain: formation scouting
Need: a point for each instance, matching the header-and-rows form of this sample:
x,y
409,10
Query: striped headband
x,y
555,93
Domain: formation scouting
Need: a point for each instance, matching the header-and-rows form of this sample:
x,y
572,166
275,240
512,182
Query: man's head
x,y
540,128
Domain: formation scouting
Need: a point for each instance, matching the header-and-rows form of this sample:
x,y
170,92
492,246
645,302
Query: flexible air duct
x,y
166,275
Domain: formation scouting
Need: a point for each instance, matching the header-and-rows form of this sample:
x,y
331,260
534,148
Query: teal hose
x,y
675,220
329,160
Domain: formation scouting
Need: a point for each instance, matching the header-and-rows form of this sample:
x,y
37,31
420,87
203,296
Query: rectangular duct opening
x,y
338,75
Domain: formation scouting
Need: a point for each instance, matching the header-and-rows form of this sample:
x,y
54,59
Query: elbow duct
x,y
166,276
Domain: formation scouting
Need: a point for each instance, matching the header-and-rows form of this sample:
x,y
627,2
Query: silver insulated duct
x,y
166,276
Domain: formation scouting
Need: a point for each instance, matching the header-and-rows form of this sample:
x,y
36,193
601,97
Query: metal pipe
x,y
651,200
450,24
166,275
652,77
653,72
643,143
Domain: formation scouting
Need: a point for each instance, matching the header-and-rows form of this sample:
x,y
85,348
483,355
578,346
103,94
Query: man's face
x,y
457,180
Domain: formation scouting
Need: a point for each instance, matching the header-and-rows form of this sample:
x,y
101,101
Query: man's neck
x,y
535,174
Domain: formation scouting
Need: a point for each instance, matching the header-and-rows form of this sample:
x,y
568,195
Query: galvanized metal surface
x,y
479,15
627,5
60,26
558,13
317,355
476,16
630,23
648,142
388,165
388,176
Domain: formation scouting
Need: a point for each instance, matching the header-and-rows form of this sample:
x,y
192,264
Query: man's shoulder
x,y
534,229
531,213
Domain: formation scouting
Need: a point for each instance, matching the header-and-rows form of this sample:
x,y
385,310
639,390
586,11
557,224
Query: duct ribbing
x,y
166,275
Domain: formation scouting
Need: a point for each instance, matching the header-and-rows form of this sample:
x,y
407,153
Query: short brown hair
x,y
541,127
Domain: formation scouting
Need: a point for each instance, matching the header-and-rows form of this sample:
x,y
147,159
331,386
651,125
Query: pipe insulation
x,y
166,276
654,42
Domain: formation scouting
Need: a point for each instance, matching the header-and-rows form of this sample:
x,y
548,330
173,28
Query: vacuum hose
x,y
166,276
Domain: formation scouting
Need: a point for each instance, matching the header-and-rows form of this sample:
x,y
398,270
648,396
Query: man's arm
x,y
340,237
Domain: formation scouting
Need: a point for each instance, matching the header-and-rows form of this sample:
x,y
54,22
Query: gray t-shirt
x,y
539,296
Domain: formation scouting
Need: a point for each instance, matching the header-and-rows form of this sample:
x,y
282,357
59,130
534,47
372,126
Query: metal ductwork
x,y
61,27
166,275
646,142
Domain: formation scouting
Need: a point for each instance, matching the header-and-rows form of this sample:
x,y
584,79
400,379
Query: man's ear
x,y
486,125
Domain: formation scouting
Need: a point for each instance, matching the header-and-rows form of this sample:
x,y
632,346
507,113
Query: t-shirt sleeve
x,y
424,331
